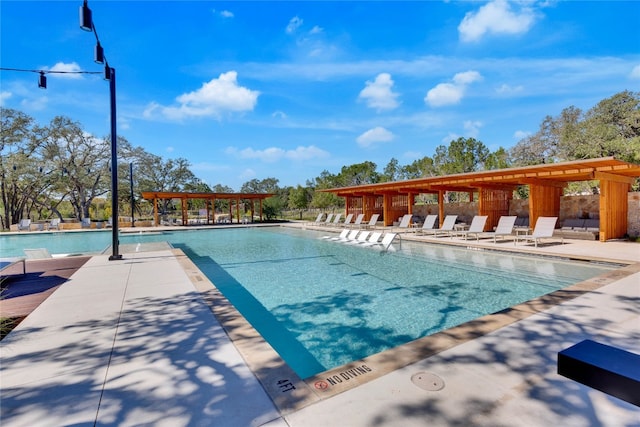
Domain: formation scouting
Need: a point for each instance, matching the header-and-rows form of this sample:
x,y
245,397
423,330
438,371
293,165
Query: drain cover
x,y
428,381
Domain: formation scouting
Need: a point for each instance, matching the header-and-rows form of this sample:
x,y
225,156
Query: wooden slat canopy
x,y
210,199
546,183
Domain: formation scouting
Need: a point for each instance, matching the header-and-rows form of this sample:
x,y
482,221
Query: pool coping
x,y
291,393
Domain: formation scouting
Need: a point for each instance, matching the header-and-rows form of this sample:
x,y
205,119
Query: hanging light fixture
x,y
42,80
98,54
86,23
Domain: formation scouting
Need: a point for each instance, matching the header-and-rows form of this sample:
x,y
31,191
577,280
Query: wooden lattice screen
x,y
494,203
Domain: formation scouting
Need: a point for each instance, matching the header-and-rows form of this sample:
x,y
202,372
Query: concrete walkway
x,y
133,342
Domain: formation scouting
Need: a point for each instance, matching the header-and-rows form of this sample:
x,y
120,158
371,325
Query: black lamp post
x,y
133,204
86,23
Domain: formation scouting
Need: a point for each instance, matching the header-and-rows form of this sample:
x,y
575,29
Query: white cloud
x,y
274,154
379,94
226,14
635,73
451,93
214,97
169,149
467,77
375,135
521,134
247,173
496,17
38,103
444,94
279,115
316,30
294,24
66,71
4,95
507,90
472,128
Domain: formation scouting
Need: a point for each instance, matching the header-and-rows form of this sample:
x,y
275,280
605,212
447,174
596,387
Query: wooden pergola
x,y
209,199
495,190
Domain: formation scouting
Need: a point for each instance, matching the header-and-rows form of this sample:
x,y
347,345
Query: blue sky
x,y
288,89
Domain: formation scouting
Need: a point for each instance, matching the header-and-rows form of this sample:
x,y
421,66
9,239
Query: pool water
x,y
322,304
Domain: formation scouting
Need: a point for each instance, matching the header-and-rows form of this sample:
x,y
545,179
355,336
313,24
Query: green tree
x,y
299,198
392,172
462,155
359,174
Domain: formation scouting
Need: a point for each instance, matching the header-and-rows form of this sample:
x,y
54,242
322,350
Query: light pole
x,y
133,204
86,23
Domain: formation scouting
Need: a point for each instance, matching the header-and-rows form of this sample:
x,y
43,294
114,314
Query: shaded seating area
x,y
494,190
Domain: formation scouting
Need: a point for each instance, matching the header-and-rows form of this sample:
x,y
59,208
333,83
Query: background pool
x,y
322,304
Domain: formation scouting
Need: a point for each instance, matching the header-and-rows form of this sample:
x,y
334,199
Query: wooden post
x,y
440,207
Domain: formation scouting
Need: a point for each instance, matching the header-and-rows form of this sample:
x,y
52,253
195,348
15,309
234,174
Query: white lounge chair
x,y
503,229
428,224
373,239
358,221
54,224
342,235
347,220
351,236
545,225
327,220
318,219
362,238
372,221
86,223
405,221
385,244
477,226
40,253
24,224
336,220
447,226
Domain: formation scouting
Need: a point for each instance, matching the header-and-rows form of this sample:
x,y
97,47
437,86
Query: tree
x,y
299,198
462,155
359,174
392,172
420,168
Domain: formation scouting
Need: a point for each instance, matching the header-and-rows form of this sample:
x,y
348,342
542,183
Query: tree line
x,y
46,171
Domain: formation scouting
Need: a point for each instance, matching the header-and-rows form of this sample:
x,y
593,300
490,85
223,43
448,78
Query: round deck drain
x,y
428,381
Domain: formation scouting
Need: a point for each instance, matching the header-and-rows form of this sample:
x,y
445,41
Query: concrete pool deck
x,y
134,342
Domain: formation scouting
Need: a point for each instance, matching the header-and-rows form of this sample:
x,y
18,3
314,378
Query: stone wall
x,y
570,207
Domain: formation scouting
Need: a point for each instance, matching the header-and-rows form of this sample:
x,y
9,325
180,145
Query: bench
x,y
609,369
578,228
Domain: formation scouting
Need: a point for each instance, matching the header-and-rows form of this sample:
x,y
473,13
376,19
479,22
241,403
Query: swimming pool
x,y
322,304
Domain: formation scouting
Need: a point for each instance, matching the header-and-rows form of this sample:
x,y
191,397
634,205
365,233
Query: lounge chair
x,y
373,239
318,220
358,221
336,220
86,223
545,225
54,224
447,226
327,220
342,235
24,224
503,229
347,220
385,244
351,235
477,226
428,224
40,253
362,238
372,221
405,221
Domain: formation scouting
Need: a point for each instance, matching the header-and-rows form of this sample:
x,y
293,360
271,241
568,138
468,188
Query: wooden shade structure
x,y
209,198
495,190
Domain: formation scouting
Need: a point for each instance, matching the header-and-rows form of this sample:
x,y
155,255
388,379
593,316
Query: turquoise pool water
x,y
322,304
